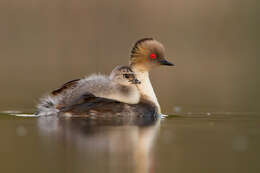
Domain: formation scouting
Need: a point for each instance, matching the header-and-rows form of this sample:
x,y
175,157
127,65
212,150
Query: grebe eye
x,y
126,76
152,56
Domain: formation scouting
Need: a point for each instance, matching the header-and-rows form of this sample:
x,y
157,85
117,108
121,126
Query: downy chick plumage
x,y
120,85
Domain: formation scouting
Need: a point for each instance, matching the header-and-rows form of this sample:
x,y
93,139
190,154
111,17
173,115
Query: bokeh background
x,y
44,43
214,43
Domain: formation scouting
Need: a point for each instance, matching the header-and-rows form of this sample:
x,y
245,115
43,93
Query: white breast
x,y
146,87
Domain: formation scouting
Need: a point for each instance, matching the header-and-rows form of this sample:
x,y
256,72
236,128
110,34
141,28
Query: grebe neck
x,y
146,88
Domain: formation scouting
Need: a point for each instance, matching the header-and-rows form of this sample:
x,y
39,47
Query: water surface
x,y
191,142
213,129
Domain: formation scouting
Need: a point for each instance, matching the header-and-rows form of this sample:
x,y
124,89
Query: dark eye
x,y
152,56
126,76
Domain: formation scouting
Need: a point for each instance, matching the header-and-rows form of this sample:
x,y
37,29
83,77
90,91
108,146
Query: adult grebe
x,y
146,54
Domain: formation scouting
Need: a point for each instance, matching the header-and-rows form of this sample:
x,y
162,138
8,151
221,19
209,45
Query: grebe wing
x,y
64,87
88,105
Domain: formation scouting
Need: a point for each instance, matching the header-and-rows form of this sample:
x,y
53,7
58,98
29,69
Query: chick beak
x,y
165,62
135,81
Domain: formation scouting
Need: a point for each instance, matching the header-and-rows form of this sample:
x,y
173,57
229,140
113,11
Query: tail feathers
x,y
47,106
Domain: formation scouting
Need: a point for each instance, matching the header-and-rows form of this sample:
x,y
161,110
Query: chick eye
x,y
126,76
152,56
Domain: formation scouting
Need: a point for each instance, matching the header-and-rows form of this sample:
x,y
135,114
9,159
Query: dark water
x,y
202,142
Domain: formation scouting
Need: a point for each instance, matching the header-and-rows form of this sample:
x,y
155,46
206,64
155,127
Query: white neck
x,y
146,88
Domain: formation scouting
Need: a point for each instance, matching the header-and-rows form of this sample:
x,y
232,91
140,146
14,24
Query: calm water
x,y
215,128
187,142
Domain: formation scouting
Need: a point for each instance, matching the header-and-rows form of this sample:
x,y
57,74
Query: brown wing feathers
x,y
65,86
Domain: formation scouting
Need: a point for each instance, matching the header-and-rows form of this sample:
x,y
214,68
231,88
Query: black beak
x,y
165,62
135,81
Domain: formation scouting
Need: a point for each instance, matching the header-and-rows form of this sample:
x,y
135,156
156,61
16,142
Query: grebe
x,y
119,86
146,54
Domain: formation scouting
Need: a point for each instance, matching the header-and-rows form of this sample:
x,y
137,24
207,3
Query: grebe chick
x,y
120,86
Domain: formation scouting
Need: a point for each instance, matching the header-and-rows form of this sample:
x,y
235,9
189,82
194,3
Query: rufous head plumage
x,y
148,53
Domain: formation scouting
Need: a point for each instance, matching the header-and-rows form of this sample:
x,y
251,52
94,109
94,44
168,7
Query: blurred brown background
x,y
44,43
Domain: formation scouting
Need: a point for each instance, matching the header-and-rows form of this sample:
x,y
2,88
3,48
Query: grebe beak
x,y
135,81
165,62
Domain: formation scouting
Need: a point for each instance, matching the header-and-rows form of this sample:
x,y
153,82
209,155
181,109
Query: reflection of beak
x,y
165,62
135,81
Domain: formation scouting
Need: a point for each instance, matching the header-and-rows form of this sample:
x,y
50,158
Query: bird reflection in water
x,y
123,143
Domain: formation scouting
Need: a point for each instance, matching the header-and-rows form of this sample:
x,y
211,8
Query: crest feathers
x,y
137,44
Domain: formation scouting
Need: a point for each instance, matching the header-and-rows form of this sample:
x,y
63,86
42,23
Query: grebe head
x,y
124,76
148,53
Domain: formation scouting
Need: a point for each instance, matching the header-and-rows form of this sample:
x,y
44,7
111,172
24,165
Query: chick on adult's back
x,y
119,86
